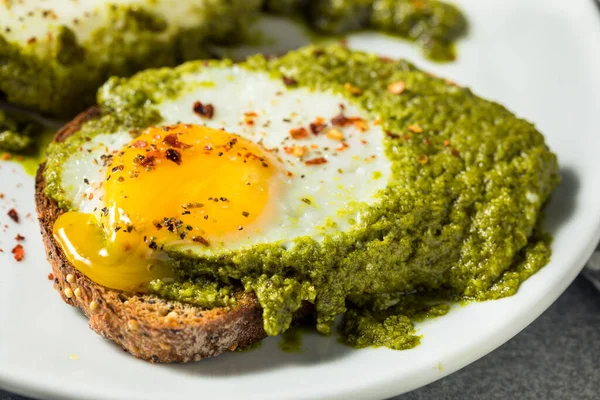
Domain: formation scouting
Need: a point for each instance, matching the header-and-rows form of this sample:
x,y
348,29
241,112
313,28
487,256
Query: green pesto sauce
x,y
433,25
291,340
459,218
61,79
23,139
253,346
200,292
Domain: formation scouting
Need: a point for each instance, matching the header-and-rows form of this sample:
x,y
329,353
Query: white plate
x,y
539,57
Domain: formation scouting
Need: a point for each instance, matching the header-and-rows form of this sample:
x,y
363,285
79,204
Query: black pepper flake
x,y
224,199
104,211
186,213
174,155
206,217
86,181
306,200
240,228
182,235
245,214
205,111
153,245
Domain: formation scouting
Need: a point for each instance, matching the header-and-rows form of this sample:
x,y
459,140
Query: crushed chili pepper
x,y
316,161
415,128
287,81
18,252
50,276
140,144
335,134
173,155
201,240
353,90
19,238
173,141
204,110
299,133
396,87
12,213
297,151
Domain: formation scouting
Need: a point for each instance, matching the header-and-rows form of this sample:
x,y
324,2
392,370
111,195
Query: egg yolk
x,y
172,186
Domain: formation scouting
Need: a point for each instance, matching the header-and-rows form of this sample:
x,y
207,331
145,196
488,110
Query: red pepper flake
x,y
287,81
19,238
392,135
299,133
446,143
173,155
317,126
454,152
360,124
205,111
19,252
342,147
353,90
12,213
316,161
140,144
297,151
201,240
396,87
148,162
415,128
173,141
50,276
335,134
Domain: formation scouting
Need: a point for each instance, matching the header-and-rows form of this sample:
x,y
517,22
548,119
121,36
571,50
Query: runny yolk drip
x,y
171,186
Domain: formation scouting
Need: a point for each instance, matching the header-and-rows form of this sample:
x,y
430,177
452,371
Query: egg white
x,y
335,189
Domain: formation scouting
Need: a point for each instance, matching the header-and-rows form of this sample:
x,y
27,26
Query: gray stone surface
x,y
556,357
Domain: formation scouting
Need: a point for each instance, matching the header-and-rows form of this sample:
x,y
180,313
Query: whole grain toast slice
x,y
147,326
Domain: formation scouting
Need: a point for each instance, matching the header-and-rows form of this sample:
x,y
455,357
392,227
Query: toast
x,y
146,326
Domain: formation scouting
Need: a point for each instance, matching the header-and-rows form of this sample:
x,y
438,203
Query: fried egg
x,y
239,159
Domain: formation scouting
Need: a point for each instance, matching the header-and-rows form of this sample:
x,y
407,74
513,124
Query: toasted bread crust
x,y
147,326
